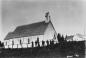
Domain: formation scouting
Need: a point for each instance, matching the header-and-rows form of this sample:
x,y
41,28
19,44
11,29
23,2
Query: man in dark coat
x,y
43,43
47,42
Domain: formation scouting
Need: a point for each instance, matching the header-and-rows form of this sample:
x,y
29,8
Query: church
x,y
24,35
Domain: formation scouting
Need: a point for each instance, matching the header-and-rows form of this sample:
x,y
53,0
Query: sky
x,y
67,16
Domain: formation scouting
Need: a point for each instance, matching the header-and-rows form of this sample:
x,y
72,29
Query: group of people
x,y
37,43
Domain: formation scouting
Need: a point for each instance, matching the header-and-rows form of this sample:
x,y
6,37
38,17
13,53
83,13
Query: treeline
x,y
1,44
61,38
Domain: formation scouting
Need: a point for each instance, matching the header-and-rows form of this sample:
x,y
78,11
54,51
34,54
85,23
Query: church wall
x,y
27,41
24,41
49,33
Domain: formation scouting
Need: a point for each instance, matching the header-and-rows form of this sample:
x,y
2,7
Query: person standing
x,y
32,44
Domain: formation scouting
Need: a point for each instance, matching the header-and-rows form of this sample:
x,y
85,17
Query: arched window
x,y
54,37
20,41
28,40
12,42
6,43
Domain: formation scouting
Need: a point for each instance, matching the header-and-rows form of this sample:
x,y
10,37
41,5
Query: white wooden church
x,y
23,35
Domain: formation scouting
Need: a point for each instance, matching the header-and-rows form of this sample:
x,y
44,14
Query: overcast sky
x,y
67,16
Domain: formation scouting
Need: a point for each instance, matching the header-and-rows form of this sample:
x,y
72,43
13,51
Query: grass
x,y
60,50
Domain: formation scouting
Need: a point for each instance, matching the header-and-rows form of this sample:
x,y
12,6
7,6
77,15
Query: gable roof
x,y
28,30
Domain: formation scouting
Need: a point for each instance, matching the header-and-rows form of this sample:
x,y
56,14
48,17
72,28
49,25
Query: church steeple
x,y
47,16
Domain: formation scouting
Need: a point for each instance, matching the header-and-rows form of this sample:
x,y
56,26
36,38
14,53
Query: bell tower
x,y
47,16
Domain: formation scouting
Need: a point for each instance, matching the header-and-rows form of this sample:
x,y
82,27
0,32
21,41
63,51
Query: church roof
x,y
28,30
